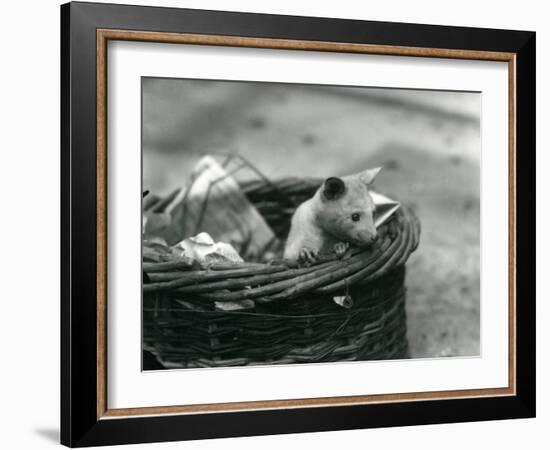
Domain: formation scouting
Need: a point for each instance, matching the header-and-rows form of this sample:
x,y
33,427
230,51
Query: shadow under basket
x,y
338,309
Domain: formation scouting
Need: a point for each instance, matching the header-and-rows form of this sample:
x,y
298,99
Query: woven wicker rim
x,y
282,279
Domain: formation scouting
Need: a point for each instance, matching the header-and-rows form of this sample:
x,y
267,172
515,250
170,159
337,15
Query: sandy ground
x,y
428,143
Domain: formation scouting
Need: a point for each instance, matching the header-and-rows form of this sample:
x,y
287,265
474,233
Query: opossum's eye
x,y
356,217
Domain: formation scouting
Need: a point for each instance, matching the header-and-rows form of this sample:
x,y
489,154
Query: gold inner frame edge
x,y
103,36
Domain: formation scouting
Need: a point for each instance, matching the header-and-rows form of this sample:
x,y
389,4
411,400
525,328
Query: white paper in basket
x,y
385,207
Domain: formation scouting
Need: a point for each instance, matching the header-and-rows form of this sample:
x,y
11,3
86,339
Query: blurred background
x,y
427,141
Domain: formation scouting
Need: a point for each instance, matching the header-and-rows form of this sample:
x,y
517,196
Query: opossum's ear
x,y
369,175
333,188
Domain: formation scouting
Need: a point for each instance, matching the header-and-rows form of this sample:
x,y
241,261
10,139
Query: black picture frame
x,y
80,425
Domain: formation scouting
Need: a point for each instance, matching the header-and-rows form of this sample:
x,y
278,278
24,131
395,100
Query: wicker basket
x,y
280,313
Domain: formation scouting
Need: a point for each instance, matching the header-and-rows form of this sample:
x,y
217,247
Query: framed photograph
x,y
277,224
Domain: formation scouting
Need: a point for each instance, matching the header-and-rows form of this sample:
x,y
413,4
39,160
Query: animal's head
x,y
347,210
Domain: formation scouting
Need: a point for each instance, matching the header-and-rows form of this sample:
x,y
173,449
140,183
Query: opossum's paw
x,y
307,256
340,248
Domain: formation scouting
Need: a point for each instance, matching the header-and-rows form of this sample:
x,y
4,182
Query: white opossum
x,y
340,213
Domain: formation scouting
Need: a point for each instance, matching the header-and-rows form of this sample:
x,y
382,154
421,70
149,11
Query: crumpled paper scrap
x,y
384,207
345,301
205,250
212,202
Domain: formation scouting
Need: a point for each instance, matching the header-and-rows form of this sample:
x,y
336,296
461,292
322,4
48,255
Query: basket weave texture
x,y
281,313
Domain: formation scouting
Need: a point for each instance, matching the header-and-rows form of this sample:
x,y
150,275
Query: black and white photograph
x,y
300,223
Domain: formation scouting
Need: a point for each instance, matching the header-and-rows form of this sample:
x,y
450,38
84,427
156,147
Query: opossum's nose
x,y
373,239
367,239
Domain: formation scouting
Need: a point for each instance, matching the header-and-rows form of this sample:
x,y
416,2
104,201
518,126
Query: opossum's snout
x,y
373,239
366,238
